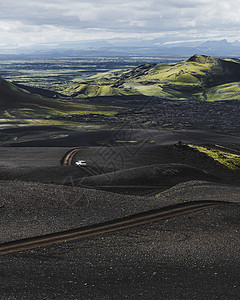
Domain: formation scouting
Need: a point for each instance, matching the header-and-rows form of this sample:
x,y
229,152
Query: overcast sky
x,y
28,22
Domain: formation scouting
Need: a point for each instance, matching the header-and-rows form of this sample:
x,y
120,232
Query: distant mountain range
x,y
131,47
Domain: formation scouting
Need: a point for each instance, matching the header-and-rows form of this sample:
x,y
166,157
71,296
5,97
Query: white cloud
x,y
55,20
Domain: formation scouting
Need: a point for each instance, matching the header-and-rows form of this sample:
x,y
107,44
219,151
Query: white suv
x,y
81,163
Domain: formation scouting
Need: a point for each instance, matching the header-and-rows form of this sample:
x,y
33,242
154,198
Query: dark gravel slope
x,y
29,209
193,256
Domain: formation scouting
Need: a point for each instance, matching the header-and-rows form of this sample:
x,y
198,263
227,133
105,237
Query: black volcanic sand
x,y
145,180
39,137
143,169
193,256
37,208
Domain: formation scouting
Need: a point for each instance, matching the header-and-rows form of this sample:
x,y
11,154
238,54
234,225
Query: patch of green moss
x,y
131,142
224,92
13,123
7,114
40,111
81,110
230,160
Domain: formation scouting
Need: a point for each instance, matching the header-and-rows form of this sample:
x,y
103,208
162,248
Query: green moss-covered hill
x,y
199,78
17,103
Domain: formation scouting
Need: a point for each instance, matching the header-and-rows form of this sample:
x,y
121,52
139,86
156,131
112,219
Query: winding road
x,y
68,157
101,228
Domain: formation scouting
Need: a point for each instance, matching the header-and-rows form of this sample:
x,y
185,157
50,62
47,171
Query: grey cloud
x,y
96,10
125,16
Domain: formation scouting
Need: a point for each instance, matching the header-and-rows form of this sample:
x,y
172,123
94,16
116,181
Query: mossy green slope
x,y
220,155
199,78
16,103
